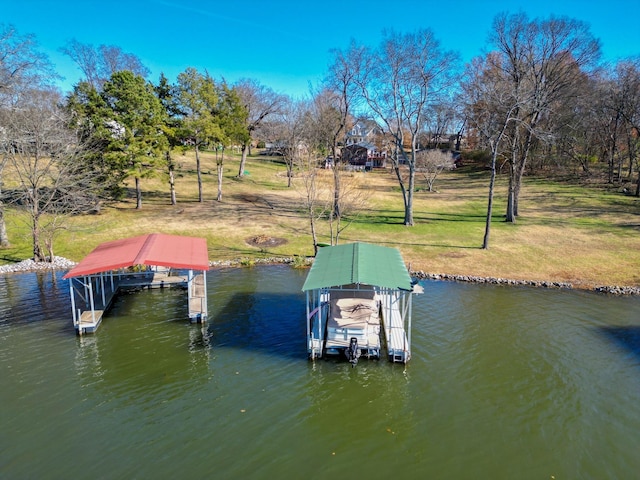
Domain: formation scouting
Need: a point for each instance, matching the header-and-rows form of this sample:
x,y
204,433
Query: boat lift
x,y
147,261
354,293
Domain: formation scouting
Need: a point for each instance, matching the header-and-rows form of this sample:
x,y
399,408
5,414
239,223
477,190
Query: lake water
x,y
503,383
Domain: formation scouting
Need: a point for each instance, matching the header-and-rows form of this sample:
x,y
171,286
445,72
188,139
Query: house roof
x,y
366,145
358,263
172,251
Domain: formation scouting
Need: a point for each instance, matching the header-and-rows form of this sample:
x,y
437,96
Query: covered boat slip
x,y
353,313
357,291
147,261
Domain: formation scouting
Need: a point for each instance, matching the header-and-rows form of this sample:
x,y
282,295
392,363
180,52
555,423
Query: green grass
x,y
565,232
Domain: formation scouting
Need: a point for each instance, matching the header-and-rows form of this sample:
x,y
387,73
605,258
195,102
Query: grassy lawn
x,y
569,233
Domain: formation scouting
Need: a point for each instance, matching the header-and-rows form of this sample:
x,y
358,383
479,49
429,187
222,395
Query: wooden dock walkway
x,y
395,334
198,298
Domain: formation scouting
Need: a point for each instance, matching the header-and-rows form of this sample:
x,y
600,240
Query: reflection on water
x,y
503,383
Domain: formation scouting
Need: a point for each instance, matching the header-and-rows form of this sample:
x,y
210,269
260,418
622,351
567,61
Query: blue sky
x,y
285,44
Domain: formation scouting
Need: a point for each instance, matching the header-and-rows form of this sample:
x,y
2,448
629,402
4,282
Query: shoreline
x,y
60,263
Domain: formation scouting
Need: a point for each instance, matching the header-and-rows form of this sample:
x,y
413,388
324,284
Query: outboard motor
x,y
352,351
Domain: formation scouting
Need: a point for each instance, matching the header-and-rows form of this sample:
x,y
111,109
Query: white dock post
x,y
104,301
310,348
410,300
93,307
205,306
73,302
189,295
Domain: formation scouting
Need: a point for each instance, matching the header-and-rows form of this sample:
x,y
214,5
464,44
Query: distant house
x,y
365,155
363,131
360,148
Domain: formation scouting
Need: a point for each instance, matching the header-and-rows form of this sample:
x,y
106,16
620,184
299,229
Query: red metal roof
x,y
153,249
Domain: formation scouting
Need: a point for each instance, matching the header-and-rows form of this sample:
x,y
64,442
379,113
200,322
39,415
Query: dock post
x,y
102,288
205,306
92,302
189,285
72,294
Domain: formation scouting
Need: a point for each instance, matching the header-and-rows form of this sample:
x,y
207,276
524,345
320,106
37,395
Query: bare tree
x,y
260,103
313,193
290,135
98,64
328,118
22,67
21,64
628,74
490,109
351,202
398,80
321,198
542,60
438,122
4,237
47,160
338,102
431,163
577,135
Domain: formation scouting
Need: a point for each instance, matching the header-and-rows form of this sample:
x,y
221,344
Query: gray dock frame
x,y
92,295
395,311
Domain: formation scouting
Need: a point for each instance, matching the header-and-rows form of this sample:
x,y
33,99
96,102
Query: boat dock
x,y
358,295
150,261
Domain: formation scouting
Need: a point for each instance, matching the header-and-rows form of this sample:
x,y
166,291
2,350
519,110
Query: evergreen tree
x,y
137,118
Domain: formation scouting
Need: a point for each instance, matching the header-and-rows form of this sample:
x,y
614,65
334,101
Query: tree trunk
x,y
172,182
408,210
243,159
331,236
199,173
631,149
49,244
516,193
138,194
396,169
314,235
336,182
510,216
35,236
612,150
336,190
172,186
220,169
492,181
4,238
403,189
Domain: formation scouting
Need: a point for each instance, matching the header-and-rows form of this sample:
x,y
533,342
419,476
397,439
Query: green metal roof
x,y
359,263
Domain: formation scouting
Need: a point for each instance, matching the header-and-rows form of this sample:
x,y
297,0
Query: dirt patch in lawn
x,y
262,241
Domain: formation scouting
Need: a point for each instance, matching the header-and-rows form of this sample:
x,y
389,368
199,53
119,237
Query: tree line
x,y
540,99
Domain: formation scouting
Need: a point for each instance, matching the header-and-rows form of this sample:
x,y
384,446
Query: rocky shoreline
x,y
60,263
610,289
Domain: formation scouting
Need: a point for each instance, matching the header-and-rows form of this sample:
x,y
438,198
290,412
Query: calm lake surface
x,y
504,382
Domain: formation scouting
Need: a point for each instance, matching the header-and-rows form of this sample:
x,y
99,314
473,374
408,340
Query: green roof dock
x,y
356,292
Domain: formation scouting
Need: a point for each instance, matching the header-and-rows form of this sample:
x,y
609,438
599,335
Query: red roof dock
x,y
97,278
